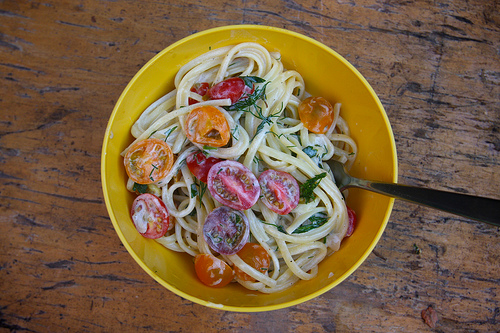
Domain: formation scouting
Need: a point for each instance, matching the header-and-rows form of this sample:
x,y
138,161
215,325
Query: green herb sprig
x,y
307,189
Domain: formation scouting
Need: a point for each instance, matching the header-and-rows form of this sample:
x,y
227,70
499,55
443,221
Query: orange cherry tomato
x,y
207,125
212,271
316,113
148,161
255,256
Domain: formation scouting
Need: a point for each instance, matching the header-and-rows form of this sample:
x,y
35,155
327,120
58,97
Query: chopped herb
x,y
416,249
251,80
140,188
169,132
203,189
317,220
307,189
350,154
154,168
256,160
279,227
194,190
310,151
276,135
150,135
234,131
198,190
244,104
206,150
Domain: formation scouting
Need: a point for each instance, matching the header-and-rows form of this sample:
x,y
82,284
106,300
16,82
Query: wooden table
x,y
63,64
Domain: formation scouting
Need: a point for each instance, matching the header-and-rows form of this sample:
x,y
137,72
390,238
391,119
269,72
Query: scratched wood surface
x,y
436,68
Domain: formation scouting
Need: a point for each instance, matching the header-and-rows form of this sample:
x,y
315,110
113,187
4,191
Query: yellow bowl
x,y
325,73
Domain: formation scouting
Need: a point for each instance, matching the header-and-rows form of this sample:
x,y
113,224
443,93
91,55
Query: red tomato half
x,y
316,113
255,256
352,221
280,191
212,271
200,165
233,184
150,216
199,88
226,230
233,88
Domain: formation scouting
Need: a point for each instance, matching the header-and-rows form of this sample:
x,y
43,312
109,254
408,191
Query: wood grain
x,y
63,64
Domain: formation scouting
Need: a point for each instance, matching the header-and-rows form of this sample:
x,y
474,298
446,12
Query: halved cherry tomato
x,y
148,161
200,165
352,221
226,230
280,191
212,271
199,88
150,216
233,88
316,113
207,125
255,256
233,184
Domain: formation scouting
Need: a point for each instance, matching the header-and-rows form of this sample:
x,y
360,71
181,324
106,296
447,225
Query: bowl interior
x,y
325,73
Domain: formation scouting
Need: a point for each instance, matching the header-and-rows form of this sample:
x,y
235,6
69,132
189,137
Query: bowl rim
x,y
230,307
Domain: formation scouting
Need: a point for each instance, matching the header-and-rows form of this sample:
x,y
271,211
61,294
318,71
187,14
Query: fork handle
x,y
477,208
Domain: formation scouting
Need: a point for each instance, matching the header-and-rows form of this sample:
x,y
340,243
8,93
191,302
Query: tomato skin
x,y
255,256
207,125
212,271
316,113
200,165
199,88
233,88
233,184
226,230
148,161
280,191
352,221
150,216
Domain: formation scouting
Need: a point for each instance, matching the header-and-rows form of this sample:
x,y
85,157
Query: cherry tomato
x,y
226,230
207,125
316,113
352,221
233,185
150,216
233,88
280,191
148,161
212,271
199,88
255,256
200,165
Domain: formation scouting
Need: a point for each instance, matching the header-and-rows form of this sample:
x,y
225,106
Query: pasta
x,y
265,135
